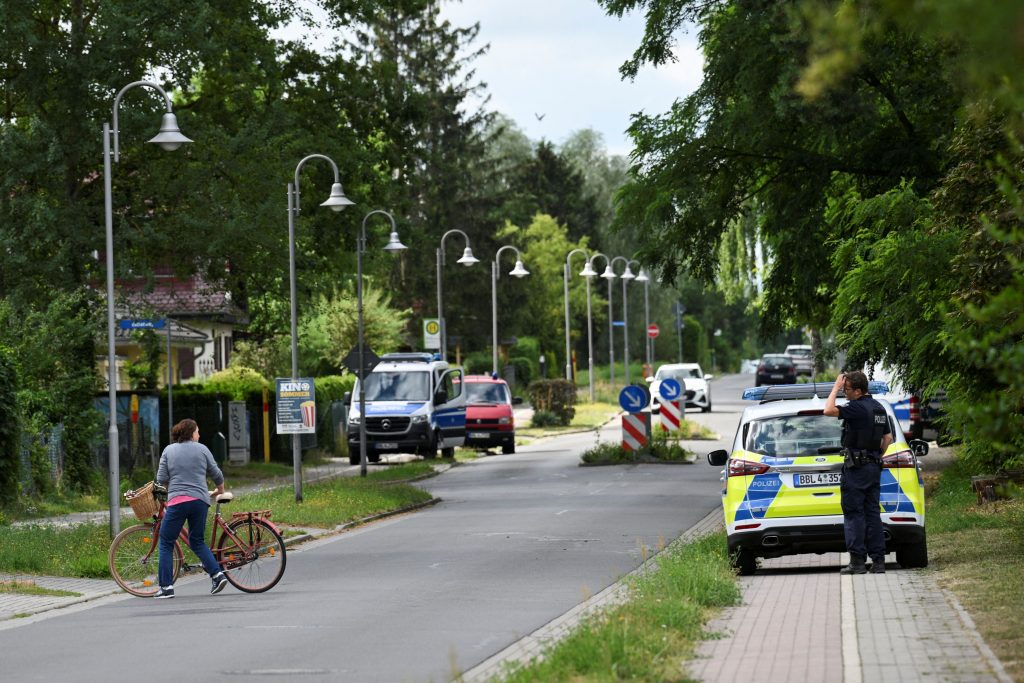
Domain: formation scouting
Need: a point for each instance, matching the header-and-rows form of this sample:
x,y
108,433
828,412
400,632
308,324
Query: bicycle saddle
x,y
225,497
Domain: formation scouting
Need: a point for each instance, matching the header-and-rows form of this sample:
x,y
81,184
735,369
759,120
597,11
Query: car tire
x,y
430,452
913,556
508,448
745,561
707,408
353,459
448,452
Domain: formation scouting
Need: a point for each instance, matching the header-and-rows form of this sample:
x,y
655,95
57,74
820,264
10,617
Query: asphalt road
x,y
517,541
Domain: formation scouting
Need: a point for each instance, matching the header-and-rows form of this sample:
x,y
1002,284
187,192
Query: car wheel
x,y
913,556
430,452
508,448
353,459
448,452
707,408
745,561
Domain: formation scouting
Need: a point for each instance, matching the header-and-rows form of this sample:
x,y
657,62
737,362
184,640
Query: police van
x,y
414,404
781,480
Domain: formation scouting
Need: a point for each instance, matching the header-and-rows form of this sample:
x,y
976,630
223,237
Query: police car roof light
x,y
781,392
408,357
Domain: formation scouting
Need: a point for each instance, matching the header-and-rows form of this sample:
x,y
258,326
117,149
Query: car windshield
x,y
398,386
679,373
777,362
486,392
792,435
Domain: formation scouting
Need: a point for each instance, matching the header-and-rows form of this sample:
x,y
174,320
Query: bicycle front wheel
x,y
134,560
258,564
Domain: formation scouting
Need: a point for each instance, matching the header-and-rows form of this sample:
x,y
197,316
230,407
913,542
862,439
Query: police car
x,y
781,493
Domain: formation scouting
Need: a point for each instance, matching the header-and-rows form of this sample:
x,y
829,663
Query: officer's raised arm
x,y
830,403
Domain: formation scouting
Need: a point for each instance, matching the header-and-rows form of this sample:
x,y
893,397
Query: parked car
x,y
781,478
775,368
489,419
694,383
803,358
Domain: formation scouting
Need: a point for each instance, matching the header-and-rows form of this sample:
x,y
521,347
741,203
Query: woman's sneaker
x,y
164,593
219,581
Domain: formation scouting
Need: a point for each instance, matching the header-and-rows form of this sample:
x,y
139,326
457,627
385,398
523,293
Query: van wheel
x,y
430,452
508,448
353,459
745,561
913,556
448,452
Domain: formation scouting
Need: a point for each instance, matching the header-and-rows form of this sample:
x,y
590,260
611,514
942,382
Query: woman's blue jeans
x,y
175,516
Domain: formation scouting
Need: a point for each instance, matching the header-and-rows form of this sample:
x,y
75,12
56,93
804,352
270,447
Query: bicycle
x,y
248,547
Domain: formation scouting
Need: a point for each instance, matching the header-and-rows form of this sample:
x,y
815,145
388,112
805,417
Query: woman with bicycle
x,y
184,468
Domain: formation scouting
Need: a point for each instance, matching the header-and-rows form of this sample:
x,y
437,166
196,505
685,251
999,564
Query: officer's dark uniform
x,y
865,423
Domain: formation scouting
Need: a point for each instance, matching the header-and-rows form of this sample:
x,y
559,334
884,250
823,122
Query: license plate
x,y
777,376
479,435
817,479
386,445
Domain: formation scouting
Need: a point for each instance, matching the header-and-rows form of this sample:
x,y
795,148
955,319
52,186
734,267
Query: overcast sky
x,y
553,66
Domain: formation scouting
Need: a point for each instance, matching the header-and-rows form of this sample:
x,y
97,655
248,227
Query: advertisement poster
x,y
296,406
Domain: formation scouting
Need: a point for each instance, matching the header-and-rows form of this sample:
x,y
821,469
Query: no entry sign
x,y
653,331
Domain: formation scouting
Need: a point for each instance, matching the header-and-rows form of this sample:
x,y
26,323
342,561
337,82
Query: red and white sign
x,y
653,331
635,430
671,416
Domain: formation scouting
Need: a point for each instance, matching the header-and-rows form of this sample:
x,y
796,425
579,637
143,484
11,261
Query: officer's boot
x,y
856,566
877,566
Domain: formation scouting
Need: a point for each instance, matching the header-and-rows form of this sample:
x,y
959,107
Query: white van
x,y
414,404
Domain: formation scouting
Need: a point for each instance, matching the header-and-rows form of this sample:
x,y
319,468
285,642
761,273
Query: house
x,y
196,318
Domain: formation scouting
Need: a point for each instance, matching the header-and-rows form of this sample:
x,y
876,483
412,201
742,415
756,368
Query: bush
x,y
523,369
333,387
238,382
555,395
544,418
478,363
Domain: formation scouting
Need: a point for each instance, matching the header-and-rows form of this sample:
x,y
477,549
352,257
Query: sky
x,y
553,67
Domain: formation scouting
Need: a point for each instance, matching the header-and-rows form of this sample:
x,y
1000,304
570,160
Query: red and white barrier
x,y
671,415
635,430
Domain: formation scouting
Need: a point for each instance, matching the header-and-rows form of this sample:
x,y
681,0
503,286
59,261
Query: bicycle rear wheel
x,y
134,560
258,566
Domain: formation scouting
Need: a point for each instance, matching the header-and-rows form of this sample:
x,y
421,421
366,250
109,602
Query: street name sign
x,y
141,324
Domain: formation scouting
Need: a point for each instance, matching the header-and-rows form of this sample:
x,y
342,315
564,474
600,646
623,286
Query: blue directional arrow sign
x,y
634,399
670,389
141,324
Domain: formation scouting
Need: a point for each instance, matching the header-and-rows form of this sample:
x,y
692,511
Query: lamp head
x,y
643,276
394,244
467,258
519,270
170,137
588,270
628,274
338,201
608,273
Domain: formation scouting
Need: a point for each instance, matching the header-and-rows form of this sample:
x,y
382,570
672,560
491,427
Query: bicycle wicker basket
x,y
143,502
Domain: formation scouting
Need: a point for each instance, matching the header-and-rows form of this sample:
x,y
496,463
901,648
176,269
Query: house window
x,y
229,346
186,365
217,345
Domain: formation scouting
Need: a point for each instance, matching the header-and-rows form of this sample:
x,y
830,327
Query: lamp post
x,y
518,271
467,260
565,284
170,139
626,276
394,244
649,346
336,201
608,275
589,272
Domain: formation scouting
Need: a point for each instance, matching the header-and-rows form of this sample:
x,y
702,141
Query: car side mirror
x,y
718,458
649,379
919,447
708,378
517,400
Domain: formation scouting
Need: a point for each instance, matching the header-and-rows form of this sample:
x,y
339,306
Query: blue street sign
x,y
618,323
670,389
634,398
141,324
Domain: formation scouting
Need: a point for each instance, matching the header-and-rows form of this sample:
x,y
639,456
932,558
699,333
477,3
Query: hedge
x,y
557,396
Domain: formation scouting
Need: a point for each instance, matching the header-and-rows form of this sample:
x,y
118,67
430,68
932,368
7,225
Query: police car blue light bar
x,y
781,392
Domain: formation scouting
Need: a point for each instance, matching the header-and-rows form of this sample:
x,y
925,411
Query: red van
x,y
489,419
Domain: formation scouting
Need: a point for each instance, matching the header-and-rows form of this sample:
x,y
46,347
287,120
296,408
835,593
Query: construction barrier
x,y
671,415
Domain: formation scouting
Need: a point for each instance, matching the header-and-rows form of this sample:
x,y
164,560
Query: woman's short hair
x,y
857,380
184,430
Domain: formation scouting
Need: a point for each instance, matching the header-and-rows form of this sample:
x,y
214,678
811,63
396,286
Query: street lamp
x,y
170,139
518,271
649,348
589,272
565,284
626,276
608,275
467,260
393,245
336,201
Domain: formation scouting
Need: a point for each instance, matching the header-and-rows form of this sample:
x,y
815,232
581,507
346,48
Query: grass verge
x,y
661,448
588,416
651,636
978,552
82,550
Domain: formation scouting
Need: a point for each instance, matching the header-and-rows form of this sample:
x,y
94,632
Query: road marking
x,y
561,513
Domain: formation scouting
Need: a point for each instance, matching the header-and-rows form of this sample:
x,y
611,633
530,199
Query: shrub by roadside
x,y
661,448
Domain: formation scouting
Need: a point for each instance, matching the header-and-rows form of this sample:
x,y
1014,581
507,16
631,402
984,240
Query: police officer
x,y
866,435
